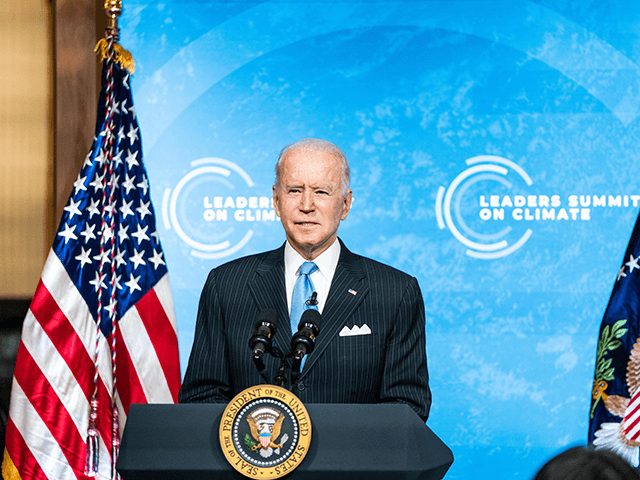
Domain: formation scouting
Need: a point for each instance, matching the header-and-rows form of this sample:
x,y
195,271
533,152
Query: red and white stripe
x,y
53,381
632,418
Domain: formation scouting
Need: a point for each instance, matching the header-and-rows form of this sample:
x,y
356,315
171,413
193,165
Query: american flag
x,y
103,295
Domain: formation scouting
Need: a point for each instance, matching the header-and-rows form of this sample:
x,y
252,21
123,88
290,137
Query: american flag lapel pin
x,y
352,291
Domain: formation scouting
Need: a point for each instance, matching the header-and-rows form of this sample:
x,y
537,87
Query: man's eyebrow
x,y
312,187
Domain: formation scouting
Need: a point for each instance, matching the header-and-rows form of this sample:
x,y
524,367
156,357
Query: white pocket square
x,y
356,330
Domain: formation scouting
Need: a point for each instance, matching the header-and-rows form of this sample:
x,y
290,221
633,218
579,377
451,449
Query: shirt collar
x,y
327,261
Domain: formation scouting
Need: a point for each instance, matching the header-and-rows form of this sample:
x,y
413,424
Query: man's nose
x,y
306,201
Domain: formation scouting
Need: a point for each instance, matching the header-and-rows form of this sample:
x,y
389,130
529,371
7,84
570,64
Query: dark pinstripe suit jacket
x,y
388,365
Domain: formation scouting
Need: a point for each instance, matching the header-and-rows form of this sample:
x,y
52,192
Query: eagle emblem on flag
x,y
623,437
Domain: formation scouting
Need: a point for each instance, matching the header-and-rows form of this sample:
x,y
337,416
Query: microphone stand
x,y
260,366
281,376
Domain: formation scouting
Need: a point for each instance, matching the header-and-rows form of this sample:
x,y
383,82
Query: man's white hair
x,y
317,145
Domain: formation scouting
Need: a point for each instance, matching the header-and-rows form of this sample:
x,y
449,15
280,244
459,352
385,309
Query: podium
x,y
348,441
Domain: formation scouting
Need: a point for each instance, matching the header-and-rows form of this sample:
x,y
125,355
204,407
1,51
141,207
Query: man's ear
x,y
275,200
346,207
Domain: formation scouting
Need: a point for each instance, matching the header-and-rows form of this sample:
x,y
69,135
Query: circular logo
x,y
215,208
455,202
265,432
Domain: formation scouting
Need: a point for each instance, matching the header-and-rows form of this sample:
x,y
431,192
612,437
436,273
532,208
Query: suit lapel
x,y
348,279
268,290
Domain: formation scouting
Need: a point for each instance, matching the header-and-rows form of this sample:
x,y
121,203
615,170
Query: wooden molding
x,y
76,30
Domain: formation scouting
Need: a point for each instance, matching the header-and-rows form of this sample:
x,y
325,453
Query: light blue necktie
x,y
302,291
301,294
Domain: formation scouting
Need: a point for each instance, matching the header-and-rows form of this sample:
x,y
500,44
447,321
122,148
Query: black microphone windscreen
x,y
310,316
268,315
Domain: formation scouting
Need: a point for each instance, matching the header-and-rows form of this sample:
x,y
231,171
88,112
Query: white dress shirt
x,y
327,262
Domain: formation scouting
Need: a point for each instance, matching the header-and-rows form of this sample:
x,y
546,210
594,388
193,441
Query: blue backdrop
x,y
494,150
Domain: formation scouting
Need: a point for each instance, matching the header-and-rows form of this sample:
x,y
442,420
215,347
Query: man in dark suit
x,y
371,346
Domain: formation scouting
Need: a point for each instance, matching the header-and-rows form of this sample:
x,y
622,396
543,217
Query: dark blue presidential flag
x,y
614,421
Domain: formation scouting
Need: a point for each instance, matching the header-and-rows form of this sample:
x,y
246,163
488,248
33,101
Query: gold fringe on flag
x,y
122,57
9,470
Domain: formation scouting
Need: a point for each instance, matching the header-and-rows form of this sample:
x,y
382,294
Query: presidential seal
x,y
265,432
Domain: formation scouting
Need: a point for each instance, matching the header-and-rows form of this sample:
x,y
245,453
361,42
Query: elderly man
x,y
371,346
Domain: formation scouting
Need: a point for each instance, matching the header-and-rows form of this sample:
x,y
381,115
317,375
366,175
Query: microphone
x,y
313,300
303,342
260,341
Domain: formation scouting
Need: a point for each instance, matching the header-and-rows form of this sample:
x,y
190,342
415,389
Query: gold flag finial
x,y
121,56
114,10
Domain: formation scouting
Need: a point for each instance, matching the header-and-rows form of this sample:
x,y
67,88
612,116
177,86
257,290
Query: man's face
x,y
309,200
